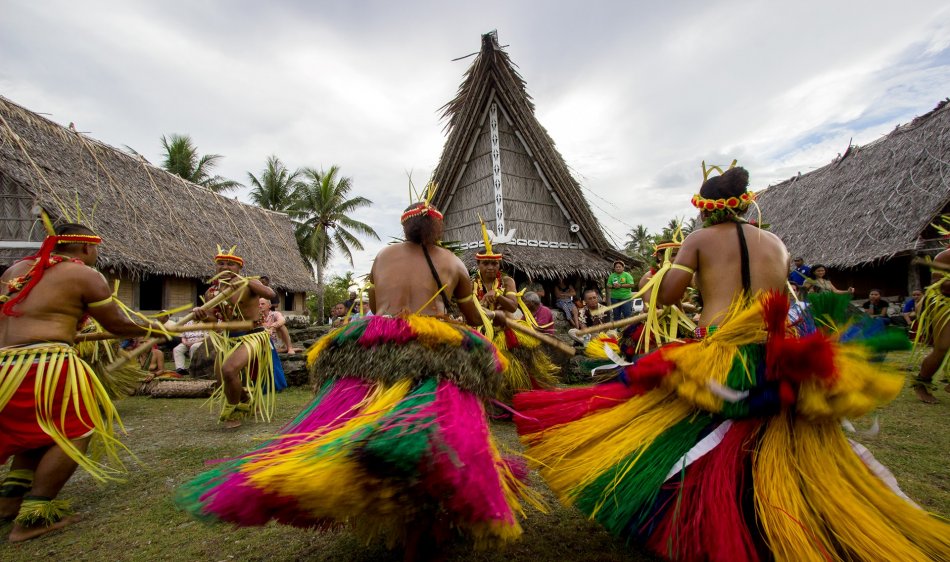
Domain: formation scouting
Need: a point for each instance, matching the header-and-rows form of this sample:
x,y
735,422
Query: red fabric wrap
x,y
19,430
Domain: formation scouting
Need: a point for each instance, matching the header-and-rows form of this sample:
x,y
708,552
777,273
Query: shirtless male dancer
x,y
47,315
244,346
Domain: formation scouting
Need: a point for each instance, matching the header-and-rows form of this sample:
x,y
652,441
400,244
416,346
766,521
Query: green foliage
x,y
336,290
641,242
275,188
182,159
321,210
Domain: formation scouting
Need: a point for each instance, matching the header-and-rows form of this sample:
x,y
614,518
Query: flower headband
x,y
740,202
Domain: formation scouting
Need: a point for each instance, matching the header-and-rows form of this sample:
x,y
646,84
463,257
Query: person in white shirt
x,y
190,342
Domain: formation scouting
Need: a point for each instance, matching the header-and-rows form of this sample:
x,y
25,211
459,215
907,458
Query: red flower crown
x,y
741,202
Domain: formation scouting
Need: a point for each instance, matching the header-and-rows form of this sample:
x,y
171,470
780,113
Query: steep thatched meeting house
x,y
869,212
499,163
160,233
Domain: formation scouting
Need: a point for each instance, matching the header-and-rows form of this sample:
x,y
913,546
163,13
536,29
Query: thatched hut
x,y
160,232
868,213
500,163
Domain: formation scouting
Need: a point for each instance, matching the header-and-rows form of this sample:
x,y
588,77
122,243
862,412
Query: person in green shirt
x,y
619,285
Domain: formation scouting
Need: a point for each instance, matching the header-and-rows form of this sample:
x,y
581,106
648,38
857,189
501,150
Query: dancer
x,y
51,402
934,322
528,365
396,441
242,358
730,447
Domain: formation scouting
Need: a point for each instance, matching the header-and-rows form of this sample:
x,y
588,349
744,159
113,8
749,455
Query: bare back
x,y
54,307
403,281
714,253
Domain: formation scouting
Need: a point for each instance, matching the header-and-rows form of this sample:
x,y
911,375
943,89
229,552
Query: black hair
x,y
71,228
732,183
595,291
421,229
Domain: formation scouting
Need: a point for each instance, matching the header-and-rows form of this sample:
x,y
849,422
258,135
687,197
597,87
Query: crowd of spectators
x,y
809,279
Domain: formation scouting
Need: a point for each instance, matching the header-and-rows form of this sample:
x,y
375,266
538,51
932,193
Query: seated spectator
x,y
818,283
273,321
190,342
564,295
910,310
875,306
800,272
593,314
542,314
152,361
798,316
338,314
619,285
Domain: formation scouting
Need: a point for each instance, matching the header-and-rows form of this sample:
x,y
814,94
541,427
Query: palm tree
x,y
275,188
639,242
321,210
182,159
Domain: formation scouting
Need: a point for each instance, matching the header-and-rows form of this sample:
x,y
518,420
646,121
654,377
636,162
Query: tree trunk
x,y
320,293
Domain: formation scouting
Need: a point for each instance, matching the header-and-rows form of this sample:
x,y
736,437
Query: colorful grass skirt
x,y
731,448
396,435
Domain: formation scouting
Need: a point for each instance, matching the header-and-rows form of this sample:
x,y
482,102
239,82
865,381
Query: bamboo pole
x,y
203,327
543,338
147,344
622,323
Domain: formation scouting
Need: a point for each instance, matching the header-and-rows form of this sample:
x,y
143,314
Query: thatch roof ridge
x,y
871,203
61,167
494,72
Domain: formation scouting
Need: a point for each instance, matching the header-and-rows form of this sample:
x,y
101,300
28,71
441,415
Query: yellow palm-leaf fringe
x,y
56,363
787,522
261,388
863,515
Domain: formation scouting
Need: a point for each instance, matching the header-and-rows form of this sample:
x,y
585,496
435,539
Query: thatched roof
x,y
152,222
542,201
871,203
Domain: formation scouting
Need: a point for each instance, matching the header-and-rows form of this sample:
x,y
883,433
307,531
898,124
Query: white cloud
x,y
634,96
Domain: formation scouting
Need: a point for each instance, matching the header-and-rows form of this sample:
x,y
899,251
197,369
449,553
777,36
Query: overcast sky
x,y
635,94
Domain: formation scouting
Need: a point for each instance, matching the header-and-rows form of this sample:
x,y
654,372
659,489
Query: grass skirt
x,y
731,448
392,444
529,366
50,396
257,377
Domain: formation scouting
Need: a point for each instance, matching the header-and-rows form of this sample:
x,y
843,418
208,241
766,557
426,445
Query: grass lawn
x,y
136,520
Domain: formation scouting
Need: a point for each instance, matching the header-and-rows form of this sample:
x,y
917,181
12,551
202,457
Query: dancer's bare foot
x,y
9,507
924,395
232,424
21,533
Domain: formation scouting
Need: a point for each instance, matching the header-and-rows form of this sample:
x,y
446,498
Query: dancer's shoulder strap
x,y
744,257
435,275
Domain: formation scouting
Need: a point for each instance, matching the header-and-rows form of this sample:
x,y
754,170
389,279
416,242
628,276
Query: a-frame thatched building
x,y
868,213
500,163
159,231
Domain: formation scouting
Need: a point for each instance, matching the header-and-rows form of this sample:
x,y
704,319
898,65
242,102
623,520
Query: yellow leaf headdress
x,y
488,254
228,256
